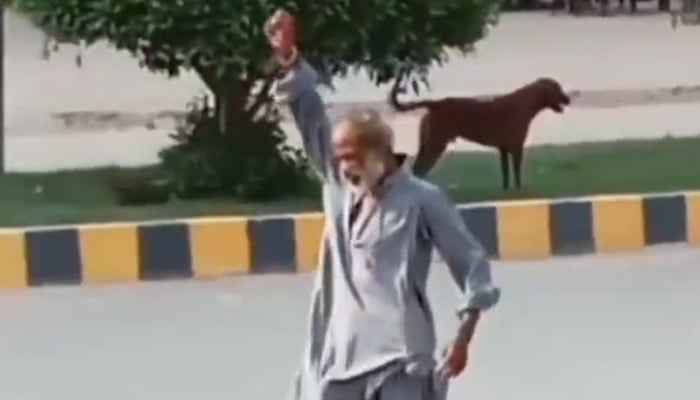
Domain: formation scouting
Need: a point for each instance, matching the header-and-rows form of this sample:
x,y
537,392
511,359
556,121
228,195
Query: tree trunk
x,y
231,96
231,102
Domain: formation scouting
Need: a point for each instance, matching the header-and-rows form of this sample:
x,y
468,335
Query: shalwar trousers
x,y
398,386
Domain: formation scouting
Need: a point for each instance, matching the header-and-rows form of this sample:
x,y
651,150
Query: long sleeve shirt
x,y
369,306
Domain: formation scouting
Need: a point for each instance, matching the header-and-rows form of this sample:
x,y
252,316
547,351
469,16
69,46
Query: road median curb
x,y
288,243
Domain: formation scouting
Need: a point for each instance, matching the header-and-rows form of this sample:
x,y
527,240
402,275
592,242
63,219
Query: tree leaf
x,y
380,37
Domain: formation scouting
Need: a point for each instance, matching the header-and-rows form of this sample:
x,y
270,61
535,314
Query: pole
x,y
2,86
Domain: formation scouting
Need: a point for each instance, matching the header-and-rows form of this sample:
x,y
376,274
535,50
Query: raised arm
x,y
298,89
462,252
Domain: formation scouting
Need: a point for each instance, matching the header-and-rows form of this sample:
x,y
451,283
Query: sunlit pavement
x,y
598,327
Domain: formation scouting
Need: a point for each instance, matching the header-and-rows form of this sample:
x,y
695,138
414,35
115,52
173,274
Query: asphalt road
x,y
588,328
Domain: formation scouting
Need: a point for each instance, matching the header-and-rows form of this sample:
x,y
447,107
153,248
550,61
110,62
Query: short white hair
x,y
369,125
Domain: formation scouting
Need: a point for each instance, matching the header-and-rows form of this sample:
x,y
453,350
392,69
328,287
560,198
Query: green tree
x,y
223,41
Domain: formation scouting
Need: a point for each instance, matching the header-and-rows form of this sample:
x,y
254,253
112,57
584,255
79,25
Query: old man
x,y
372,335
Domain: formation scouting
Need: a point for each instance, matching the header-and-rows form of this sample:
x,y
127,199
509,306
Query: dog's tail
x,y
407,106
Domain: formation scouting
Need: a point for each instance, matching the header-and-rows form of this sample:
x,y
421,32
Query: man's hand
x,y
456,359
457,354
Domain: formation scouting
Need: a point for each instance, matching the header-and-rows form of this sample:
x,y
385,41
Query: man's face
x,y
361,166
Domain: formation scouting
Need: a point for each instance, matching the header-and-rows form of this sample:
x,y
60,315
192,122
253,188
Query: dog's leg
x,y
505,170
428,155
430,148
517,154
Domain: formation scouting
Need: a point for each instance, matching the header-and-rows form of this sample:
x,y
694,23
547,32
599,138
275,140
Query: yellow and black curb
x,y
205,248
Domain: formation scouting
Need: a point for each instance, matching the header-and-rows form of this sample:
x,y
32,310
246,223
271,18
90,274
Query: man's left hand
x,y
457,354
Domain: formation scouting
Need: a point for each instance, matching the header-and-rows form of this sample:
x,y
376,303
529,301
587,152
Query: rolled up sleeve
x,y
464,255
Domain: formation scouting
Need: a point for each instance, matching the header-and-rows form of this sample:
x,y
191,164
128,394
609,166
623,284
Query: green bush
x,y
138,187
250,161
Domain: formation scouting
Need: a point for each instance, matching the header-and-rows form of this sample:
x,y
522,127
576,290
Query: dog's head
x,y
551,95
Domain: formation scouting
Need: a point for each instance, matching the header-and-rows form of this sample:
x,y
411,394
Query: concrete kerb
x,y
210,247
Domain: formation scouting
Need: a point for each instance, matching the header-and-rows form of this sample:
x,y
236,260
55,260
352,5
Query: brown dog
x,y
501,122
